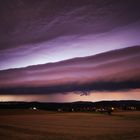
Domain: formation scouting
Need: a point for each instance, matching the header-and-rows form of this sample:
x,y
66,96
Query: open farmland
x,y
42,125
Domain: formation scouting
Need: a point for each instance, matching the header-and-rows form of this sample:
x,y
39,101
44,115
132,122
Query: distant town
x,y
102,106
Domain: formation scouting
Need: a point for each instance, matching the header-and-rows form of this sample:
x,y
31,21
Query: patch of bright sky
x,y
63,48
71,97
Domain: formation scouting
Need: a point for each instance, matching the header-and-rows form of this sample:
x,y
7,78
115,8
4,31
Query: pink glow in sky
x,y
71,97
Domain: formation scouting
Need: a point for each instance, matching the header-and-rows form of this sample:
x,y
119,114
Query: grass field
x,y
43,125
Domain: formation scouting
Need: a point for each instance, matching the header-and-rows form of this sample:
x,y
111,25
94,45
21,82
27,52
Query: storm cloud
x,y
111,71
49,47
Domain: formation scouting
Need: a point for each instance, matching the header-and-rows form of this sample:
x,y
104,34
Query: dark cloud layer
x,y
83,89
33,21
111,71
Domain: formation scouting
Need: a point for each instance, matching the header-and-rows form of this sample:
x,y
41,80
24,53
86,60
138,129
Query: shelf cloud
x,y
110,71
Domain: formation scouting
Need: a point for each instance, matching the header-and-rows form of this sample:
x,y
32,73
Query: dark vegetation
x,y
74,106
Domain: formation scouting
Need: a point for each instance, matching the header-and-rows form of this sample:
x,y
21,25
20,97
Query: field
x,y
44,125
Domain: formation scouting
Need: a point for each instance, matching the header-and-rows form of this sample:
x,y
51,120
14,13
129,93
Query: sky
x,y
64,51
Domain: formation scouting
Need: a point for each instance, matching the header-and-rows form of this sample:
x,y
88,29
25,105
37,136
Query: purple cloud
x,y
114,70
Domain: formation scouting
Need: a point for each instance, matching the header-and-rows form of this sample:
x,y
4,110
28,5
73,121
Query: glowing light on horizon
x,y
72,97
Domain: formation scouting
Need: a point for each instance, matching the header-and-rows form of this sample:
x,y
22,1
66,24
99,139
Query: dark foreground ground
x,y
43,125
